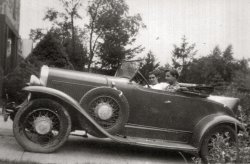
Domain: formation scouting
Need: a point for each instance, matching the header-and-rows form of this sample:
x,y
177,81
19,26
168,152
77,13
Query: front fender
x,y
70,101
75,105
209,122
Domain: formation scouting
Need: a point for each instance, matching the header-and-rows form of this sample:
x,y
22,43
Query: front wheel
x,y
216,140
42,125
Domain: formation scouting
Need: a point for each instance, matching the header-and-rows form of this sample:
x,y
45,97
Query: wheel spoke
x,y
110,102
29,123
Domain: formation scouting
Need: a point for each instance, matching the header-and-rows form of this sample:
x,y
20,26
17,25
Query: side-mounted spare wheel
x,y
108,107
43,125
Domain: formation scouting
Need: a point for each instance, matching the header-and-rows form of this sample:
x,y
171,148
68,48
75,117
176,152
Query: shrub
x,y
48,52
16,80
222,151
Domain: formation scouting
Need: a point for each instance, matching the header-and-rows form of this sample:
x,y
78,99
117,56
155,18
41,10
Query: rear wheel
x,y
225,133
43,125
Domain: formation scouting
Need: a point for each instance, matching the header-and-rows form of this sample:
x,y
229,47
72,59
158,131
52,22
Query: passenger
x,y
171,77
153,81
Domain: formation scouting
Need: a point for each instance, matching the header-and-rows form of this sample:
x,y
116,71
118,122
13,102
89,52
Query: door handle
x,y
167,102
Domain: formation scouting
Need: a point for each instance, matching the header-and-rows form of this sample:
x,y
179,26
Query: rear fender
x,y
211,121
50,92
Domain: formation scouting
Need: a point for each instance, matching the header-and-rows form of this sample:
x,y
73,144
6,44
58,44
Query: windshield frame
x,y
128,69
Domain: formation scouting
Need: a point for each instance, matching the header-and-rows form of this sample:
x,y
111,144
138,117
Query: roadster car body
x,y
119,108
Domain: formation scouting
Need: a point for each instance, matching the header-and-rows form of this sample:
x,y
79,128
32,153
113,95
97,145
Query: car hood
x,y
229,102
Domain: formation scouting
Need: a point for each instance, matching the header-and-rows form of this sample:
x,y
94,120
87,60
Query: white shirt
x,y
159,86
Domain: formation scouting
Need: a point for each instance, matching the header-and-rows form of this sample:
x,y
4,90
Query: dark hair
x,y
154,72
173,72
151,73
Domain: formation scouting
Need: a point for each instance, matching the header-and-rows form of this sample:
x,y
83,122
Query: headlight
x,y
34,80
44,75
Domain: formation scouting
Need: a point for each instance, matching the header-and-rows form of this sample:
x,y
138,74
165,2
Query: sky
x,y
207,23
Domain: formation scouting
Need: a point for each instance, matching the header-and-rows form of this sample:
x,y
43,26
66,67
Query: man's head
x,y
152,78
171,76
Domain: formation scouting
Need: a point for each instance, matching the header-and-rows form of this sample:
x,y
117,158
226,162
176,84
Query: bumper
x,y
9,110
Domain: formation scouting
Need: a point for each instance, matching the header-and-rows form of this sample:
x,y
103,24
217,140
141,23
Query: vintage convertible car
x,y
120,108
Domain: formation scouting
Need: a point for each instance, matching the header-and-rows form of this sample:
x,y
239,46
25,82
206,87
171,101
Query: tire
x,y
97,99
42,126
221,129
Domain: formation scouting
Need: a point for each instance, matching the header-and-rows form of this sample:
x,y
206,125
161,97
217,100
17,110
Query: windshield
x,y
128,69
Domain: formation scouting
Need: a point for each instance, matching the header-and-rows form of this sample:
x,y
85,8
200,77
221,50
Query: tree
x,y
182,56
208,69
228,54
150,64
49,51
64,29
229,63
219,68
241,76
111,31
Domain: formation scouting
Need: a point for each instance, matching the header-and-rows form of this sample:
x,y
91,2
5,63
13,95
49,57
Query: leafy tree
x,y
241,76
208,69
182,56
47,52
219,69
50,52
111,31
64,29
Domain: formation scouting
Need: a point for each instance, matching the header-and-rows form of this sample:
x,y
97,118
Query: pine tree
x,y
150,64
182,56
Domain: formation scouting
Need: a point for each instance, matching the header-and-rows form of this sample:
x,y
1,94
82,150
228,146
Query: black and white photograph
x,y
124,81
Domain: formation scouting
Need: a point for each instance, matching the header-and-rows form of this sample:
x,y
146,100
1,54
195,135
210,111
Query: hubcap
x,y
42,125
104,111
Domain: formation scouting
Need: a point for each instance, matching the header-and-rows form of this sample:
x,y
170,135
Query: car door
x,y
170,115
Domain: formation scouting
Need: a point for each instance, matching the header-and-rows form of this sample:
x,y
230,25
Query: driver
x,y
171,77
153,81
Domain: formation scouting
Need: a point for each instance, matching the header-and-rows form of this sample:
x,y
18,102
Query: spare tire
x,y
108,107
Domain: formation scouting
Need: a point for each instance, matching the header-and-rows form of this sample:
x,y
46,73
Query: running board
x,y
156,143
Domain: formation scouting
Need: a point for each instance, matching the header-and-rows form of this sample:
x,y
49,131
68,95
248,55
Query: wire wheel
x,y
105,110
220,137
43,125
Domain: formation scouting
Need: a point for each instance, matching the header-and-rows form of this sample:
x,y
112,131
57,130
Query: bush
x,y
48,52
222,152
16,80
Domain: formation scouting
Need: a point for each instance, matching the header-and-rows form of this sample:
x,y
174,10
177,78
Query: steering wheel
x,y
140,79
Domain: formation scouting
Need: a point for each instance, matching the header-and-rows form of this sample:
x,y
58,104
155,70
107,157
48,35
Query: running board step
x,y
156,143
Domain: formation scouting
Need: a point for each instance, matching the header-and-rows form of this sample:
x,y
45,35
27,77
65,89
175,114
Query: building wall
x,y
9,37
11,8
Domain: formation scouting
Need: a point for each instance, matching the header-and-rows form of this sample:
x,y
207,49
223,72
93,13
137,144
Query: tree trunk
x,y
73,36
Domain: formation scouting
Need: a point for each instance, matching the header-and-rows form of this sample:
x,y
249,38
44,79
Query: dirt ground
x,y
83,150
